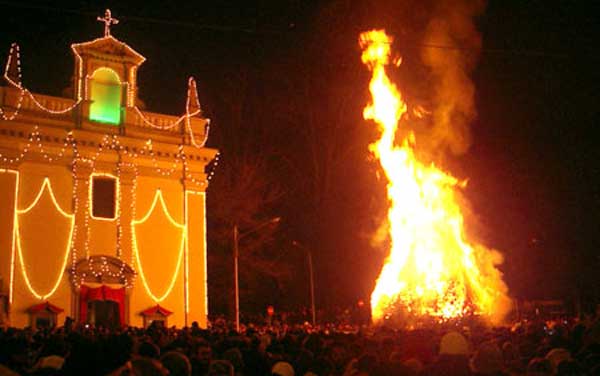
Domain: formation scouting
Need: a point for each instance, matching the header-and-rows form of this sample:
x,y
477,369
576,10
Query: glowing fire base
x,y
406,315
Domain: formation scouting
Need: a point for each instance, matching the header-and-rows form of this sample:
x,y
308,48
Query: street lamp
x,y
312,282
236,238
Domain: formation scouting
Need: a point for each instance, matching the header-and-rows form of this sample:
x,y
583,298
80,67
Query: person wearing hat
x,y
282,369
488,360
220,368
453,357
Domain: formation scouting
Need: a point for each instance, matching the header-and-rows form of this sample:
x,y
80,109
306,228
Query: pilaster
x,y
196,273
127,178
81,207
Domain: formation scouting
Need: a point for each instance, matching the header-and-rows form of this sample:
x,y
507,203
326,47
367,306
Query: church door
x,y
104,313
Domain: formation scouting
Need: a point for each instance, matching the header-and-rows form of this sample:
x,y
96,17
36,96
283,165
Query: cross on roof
x,y
108,21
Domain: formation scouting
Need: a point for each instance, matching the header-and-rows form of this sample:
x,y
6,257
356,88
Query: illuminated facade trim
x,y
16,234
158,197
13,239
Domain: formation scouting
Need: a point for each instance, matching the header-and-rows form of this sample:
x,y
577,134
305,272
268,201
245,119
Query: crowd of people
x,y
559,347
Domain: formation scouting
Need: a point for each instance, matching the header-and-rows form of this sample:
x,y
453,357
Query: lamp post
x,y
236,239
312,282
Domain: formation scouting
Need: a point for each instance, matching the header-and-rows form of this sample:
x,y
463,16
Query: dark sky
x,y
533,167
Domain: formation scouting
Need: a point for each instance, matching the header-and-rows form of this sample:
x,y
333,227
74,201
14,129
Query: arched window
x,y
105,95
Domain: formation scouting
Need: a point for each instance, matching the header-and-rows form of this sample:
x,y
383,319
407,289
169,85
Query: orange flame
x,y
431,270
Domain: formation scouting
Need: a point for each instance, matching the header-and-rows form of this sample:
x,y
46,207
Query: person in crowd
x,y
176,363
562,348
453,359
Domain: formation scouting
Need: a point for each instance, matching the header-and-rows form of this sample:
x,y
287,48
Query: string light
x,y
24,152
86,224
203,195
107,20
78,47
163,172
212,172
14,49
16,233
133,207
118,209
186,271
195,106
117,199
131,90
83,79
24,91
45,184
75,212
73,233
158,197
205,251
124,274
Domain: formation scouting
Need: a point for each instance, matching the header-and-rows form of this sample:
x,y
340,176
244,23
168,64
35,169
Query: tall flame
x,y
432,269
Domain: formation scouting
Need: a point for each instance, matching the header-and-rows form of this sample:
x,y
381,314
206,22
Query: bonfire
x,y
433,271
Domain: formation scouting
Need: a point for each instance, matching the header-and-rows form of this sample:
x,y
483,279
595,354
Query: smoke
x,y
451,47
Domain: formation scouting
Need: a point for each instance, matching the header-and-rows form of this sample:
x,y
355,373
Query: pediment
x,y
109,48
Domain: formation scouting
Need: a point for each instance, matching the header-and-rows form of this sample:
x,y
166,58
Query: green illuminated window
x,y
105,96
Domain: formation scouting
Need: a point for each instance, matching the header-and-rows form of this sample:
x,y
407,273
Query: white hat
x,y
283,369
453,343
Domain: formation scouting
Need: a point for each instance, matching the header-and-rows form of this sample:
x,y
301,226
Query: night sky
x,y
533,166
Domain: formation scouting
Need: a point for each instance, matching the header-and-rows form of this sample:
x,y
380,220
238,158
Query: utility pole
x,y
236,276
312,289
311,279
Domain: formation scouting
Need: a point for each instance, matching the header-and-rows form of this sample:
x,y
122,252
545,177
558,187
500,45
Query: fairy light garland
x,y
117,201
133,206
193,92
212,172
14,48
75,212
187,250
24,152
112,143
163,172
24,91
86,224
81,80
103,269
118,216
186,257
16,233
108,142
205,251
158,197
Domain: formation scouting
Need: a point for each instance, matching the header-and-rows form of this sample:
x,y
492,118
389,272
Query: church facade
x,y
103,204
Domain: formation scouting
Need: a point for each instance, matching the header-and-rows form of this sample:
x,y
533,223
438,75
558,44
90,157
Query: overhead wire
x,y
248,30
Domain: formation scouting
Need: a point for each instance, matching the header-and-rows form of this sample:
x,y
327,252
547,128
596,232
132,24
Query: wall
x,y
44,234
44,239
